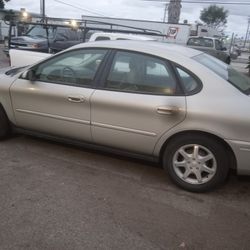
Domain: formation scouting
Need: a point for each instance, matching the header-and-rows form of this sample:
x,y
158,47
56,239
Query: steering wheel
x,y
67,73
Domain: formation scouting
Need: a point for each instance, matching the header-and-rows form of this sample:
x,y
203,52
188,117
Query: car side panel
x,y
130,121
50,108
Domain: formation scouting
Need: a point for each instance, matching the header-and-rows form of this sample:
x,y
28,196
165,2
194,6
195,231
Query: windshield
x,y
228,73
40,31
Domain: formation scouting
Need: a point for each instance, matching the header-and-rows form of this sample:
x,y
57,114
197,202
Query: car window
x,y
219,67
240,81
203,42
75,68
218,45
135,72
102,38
62,32
40,31
189,82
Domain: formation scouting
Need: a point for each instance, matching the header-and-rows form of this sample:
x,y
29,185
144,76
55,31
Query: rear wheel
x,y
196,163
4,125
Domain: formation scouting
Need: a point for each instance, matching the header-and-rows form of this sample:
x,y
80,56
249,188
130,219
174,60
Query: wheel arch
x,y
229,150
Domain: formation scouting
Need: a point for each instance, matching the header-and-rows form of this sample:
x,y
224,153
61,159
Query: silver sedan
x,y
177,105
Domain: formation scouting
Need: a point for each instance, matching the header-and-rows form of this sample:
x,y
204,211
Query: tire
x,y
4,125
196,163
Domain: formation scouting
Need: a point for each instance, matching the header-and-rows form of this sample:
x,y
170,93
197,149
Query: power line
x,y
79,8
205,2
213,2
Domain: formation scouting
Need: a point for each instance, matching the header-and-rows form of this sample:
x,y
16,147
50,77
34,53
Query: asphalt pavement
x,y
59,197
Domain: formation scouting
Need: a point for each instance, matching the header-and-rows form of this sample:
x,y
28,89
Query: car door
x,y
139,101
57,100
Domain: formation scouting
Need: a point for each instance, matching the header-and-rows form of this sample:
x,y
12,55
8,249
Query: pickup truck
x,y
17,56
210,45
40,39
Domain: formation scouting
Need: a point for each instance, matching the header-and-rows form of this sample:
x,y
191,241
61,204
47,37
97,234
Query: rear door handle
x,y
76,99
168,110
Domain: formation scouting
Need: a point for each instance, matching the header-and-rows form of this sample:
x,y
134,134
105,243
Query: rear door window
x,y
190,83
139,73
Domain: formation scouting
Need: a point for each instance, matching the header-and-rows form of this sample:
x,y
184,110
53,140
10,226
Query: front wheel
x,y
196,163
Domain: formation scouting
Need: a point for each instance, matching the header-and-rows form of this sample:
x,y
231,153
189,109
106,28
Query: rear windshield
x,y
202,42
228,73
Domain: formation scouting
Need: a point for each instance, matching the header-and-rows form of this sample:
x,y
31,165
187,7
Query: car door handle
x,y
76,99
168,110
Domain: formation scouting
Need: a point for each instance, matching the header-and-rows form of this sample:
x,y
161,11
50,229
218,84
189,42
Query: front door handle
x,y
168,110
75,99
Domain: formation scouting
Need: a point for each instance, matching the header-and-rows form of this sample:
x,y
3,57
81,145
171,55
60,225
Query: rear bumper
x,y
242,153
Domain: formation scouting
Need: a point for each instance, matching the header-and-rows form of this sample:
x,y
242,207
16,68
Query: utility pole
x,y
174,11
42,9
165,13
247,32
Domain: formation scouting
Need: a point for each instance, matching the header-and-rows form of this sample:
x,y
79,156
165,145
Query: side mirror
x,y
29,75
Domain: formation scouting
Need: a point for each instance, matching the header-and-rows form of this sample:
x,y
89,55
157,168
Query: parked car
x,y
210,45
40,39
171,103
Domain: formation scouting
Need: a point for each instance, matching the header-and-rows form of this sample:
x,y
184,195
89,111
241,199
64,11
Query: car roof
x,y
150,47
122,35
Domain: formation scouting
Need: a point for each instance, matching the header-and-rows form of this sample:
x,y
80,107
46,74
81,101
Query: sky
x,y
134,9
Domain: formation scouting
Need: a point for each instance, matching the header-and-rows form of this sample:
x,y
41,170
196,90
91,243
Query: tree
x,y
214,16
2,3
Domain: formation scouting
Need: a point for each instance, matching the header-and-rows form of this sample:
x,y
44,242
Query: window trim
x,y
168,64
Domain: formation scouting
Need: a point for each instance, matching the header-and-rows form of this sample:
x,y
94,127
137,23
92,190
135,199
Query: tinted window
x,y
189,82
75,68
135,72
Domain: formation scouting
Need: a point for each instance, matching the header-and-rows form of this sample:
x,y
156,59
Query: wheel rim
x,y
194,164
